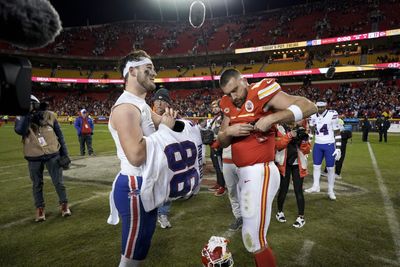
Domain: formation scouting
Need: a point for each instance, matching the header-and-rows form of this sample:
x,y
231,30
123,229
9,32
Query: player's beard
x,y
238,102
145,80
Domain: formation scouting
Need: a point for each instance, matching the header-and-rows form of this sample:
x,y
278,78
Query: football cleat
x,y
216,254
312,190
331,196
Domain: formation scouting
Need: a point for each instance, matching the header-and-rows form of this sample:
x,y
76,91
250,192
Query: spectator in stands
x,y
365,127
161,102
44,145
84,127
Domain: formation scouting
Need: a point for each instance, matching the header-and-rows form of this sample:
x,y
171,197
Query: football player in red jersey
x,y
251,112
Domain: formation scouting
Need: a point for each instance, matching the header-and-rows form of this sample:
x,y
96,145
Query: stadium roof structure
x,y
94,12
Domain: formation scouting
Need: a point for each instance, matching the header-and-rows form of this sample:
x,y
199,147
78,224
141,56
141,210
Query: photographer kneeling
x,y
292,146
44,145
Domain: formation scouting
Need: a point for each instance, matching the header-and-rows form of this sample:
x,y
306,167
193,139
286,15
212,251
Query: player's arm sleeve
x,y
335,121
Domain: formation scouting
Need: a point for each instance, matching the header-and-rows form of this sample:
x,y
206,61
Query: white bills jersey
x,y
173,167
325,124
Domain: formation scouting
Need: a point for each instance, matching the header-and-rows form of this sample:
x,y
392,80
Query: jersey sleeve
x,y
265,90
335,120
312,121
224,105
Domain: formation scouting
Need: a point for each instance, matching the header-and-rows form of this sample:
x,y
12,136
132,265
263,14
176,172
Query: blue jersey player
x,y
326,129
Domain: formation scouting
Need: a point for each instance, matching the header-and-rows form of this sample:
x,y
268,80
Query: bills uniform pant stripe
x,y
135,219
263,205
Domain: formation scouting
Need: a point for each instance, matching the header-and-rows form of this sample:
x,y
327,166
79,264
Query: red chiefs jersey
x,y
249,150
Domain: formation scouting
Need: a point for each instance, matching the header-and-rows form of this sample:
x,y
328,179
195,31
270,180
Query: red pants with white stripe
x,y
258,185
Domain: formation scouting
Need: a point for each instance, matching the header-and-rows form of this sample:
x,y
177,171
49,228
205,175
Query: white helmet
x,y
216,254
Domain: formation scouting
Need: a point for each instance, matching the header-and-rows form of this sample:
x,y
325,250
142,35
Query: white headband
x,y
321,104
143,61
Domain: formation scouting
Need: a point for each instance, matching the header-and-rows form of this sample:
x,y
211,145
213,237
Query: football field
x,y
360,228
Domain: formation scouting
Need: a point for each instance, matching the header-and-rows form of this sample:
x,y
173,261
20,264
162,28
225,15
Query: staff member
x,y
84,127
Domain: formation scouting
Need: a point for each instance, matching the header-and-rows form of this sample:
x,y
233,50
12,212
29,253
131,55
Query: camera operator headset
x,y
292,146
44,145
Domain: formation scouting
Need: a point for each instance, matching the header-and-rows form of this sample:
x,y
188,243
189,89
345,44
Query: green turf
x,y
347,232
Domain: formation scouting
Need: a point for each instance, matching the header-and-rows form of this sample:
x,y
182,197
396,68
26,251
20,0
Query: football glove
x,y
337,154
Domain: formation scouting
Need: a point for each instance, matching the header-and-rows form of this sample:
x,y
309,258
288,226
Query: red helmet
x,y
216,254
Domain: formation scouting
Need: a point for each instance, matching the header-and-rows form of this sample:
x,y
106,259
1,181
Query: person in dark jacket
x,y
84,127
44,145
385,128
365,127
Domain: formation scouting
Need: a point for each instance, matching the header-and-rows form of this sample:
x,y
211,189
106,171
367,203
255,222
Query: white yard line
x,y
177,216
16,178
12,166
388,204
21,221
305,252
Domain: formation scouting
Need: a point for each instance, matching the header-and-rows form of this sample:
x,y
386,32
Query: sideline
x,y
388,204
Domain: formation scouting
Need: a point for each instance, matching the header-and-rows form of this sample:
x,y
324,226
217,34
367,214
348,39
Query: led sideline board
x,y
331,40
393,65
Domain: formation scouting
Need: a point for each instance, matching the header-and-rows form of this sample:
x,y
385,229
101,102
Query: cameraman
x,y
44,145
292,146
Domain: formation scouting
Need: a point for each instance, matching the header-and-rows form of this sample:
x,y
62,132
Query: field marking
x,y
388,204
13,179
21,221
305,252
385,260
177,216
12,166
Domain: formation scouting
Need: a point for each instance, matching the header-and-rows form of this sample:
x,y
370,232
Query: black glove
x,y
207,136
64,162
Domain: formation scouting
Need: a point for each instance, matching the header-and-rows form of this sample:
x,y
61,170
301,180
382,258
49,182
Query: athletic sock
x,y
265,258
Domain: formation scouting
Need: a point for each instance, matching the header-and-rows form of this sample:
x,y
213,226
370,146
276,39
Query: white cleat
x,y
314,189
331,196
338,177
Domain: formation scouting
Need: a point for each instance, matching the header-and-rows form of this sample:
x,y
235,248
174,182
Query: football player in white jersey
x,y
326,130
131,119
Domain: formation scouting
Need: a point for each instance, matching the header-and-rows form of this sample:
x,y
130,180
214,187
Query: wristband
x,y
297,113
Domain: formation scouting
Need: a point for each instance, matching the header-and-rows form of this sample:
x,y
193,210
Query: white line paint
x,y
385,260
13,179
305,252
388,204
12,166
21,221
177,216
